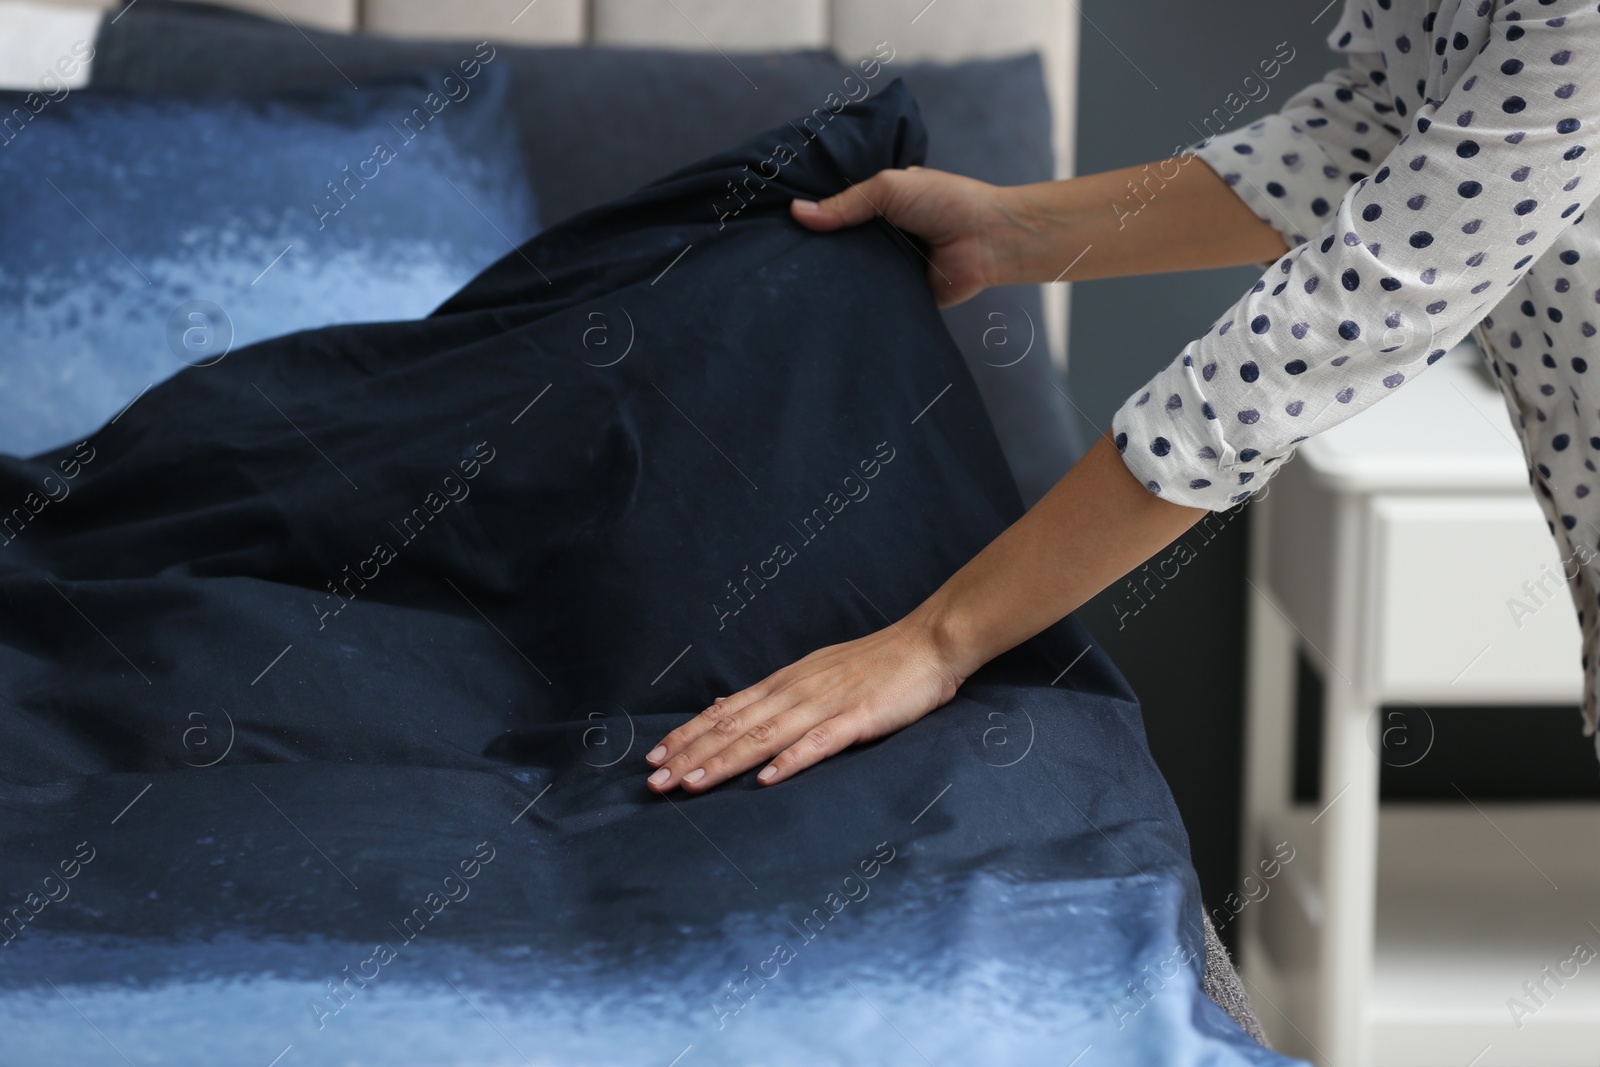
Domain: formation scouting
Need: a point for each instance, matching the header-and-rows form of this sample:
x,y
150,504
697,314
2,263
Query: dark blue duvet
x,y
327,671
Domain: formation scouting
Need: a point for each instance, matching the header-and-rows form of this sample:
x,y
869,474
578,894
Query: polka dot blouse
x,y
1433,186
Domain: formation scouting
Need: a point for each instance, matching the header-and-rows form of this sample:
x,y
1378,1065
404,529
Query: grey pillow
x,y
593,123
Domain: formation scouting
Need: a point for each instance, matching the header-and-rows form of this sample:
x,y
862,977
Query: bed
x,y
186,955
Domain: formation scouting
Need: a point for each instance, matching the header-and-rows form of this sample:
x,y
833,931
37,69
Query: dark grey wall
x,y
1149,70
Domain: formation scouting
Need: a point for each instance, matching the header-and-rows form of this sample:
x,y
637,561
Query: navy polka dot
x,y
1474,206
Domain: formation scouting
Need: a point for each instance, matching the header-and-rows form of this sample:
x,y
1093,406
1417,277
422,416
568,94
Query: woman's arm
x,y
1096,225
1095,525
1402,265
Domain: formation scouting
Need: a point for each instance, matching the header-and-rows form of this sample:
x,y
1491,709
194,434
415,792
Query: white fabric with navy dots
x,y
1432,186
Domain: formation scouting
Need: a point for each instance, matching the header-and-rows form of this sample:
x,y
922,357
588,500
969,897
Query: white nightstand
x,y
1387,550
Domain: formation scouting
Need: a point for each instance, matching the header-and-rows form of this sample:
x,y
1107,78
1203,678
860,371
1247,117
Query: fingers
x,y
691,731
852,207
812,709
752,733
708,720
827,738
765,739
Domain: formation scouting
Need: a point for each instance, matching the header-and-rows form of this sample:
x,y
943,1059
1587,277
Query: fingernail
x,y
767,775
694,776
806,205
656,754
660,777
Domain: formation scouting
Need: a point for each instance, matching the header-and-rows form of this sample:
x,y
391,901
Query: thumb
x,y
852,207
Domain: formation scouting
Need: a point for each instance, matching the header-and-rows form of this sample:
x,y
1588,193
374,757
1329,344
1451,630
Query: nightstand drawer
x,y
1468,593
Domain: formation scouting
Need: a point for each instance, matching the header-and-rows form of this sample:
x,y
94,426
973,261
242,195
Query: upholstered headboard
x,y
918,29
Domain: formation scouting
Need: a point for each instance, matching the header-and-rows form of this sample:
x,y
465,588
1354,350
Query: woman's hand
x,y
1106,225
1096,524
962,219
834,698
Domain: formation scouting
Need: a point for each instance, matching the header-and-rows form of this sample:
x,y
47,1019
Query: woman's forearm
x,y
1135,220
1096,524
1171,215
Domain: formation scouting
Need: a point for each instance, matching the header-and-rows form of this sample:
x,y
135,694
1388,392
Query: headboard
x,y
919,29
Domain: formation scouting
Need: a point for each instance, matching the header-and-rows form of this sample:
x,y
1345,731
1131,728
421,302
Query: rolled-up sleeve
x,y
1400,267
1292,167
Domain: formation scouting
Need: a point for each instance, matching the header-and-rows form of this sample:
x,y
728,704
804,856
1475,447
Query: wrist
x,y
948,636
1031,234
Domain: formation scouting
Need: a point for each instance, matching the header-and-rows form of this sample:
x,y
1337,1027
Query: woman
x,y
1434,186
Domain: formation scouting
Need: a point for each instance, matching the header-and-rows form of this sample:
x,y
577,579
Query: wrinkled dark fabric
x,y
357,639
595,121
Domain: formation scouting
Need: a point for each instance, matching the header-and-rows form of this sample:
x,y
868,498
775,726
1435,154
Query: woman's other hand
x,y
961,219
1096,524
836,697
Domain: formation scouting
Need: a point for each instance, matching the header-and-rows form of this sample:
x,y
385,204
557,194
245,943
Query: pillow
x,y
990,119
146,232
594,122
